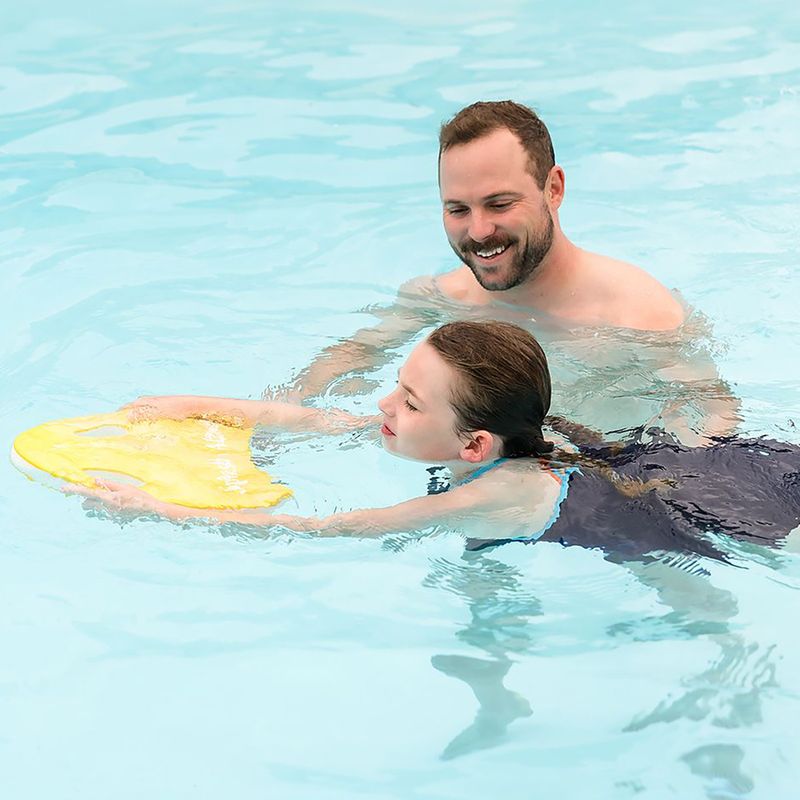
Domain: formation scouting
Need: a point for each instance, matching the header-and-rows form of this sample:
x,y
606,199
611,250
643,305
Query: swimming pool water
x,y
198,197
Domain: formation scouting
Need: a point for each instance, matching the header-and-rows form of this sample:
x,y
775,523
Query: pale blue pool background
x,y
185,188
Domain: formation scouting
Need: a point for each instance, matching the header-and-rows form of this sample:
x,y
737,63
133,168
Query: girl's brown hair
x,y
503,383
504,387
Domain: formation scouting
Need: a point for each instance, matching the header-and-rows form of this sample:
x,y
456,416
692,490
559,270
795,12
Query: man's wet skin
x,y
500,214
622,353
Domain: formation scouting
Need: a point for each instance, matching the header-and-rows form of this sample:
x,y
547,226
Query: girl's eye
x,y
410,407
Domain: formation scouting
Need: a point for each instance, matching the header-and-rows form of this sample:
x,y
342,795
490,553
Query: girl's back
x,y
745,488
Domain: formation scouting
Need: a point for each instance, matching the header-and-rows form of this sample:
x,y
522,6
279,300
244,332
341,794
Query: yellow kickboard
x,y
192,462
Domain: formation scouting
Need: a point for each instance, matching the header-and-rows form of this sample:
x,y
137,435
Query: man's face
x,y
495,215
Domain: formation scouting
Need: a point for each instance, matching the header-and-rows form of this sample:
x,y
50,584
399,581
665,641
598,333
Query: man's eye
x,y
500,206
457,211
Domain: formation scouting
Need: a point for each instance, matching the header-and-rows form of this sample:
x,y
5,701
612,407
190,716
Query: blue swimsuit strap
x,y
561,473
483,470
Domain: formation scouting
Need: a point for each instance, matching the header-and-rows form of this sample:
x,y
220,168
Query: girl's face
x,y
418,420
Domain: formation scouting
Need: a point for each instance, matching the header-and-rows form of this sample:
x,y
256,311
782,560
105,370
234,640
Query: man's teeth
x,y
493,252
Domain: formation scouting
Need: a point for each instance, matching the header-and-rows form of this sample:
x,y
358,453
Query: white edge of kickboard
x,y
38,475
33,473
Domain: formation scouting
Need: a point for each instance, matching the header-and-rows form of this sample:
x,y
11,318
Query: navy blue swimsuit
x,y
748,489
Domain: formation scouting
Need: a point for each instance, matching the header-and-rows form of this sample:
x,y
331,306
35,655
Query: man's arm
x,y
341,367
703,406
707,409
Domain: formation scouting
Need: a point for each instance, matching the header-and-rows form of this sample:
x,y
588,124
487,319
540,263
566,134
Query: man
x,y
501,192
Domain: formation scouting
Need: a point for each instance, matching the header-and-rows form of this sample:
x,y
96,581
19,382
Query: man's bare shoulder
x,y
596,290
460,285
420,285
422,297
629,296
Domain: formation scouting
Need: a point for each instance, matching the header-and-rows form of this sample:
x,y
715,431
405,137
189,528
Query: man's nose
x,y
480,226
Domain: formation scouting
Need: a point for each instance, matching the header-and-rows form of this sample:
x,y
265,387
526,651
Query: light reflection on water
x,y
201,202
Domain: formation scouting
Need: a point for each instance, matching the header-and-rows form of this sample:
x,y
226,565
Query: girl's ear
x,y
479,447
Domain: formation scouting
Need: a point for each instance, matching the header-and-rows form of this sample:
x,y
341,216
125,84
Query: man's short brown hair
x,y
483,118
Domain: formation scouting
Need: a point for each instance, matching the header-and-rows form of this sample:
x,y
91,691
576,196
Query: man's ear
x,y
555,186
478,447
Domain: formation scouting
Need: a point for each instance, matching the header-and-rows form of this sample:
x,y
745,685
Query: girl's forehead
x,y
428,374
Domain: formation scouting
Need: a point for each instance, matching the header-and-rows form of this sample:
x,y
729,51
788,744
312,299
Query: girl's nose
x,y
386,404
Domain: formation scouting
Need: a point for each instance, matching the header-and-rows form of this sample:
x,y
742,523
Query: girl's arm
x,y
493,503
416,513
244,413
421,512
477,502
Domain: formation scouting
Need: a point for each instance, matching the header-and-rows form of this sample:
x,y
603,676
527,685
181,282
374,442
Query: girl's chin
x,y
390,446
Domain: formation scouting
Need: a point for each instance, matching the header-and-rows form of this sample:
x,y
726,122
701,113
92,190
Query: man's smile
x,y
486,253
489,253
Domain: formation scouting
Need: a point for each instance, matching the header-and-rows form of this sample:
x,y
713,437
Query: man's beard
x,y
522,266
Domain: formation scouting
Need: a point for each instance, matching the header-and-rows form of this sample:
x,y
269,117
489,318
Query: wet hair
x,y
503,383
481,119
503,386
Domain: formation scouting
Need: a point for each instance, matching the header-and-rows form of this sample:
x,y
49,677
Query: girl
x,y
474,396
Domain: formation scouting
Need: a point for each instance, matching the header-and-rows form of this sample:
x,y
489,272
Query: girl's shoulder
x,y
520,496
516,481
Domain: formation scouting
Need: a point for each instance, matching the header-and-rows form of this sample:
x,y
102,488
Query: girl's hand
x,y
118,496
161,407
125,497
